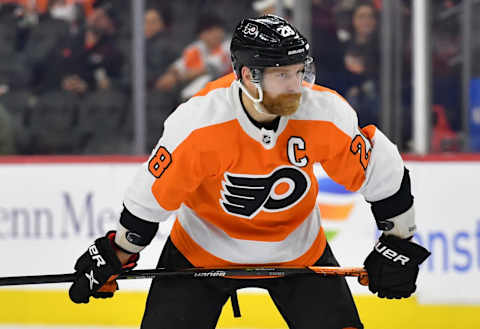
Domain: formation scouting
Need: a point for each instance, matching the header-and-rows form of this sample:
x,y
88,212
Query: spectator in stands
x,y
361,62
203,60
326,47
44,38
79,74
342,10
159,57
88,60
103,126
159,54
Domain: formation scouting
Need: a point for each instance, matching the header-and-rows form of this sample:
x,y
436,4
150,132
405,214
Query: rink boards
x,y
51,209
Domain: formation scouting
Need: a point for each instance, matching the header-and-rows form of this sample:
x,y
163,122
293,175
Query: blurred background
x,y
85,86
100,77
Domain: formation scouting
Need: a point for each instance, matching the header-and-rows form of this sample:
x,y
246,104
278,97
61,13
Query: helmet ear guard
x,y
256,76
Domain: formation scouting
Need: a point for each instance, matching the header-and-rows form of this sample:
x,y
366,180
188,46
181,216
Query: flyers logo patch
x,y
246,195
250,31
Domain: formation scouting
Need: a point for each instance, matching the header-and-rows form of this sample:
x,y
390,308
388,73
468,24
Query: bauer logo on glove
x,y
391,254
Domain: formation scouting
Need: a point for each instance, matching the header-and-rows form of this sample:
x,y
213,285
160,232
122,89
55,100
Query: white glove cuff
x,y
123,239
403,224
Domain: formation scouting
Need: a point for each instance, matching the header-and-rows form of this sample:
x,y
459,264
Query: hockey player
x,y
235,164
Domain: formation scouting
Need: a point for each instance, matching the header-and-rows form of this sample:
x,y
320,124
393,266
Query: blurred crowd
x,y
66,73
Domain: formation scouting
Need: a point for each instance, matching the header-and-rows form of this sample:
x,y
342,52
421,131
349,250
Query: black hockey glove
x,y
97,270
392,267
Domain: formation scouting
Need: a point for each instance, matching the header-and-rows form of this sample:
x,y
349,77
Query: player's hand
x,y
97,270
392,267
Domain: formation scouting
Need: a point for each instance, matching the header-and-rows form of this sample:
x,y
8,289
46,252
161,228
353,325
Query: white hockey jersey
x,y
244,195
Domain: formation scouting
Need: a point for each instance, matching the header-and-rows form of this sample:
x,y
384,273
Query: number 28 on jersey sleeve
x,y
362,148
159,162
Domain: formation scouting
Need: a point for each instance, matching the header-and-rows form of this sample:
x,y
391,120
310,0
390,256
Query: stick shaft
x,y
244,272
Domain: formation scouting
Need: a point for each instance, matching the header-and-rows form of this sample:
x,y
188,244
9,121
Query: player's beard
x,y
283,104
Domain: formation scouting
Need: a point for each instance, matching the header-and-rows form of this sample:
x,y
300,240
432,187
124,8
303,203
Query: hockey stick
x,y
211,272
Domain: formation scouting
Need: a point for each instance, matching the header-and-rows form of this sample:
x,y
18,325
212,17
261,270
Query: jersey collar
x,y
267,138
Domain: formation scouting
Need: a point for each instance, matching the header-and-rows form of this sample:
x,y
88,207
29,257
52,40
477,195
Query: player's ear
x,y
247,78
246,74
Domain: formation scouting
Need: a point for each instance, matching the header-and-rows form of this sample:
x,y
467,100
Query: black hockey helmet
x,y
267,41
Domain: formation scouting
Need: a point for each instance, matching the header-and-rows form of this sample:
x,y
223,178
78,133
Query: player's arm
x,y
160,186
393,264
116,252
365,160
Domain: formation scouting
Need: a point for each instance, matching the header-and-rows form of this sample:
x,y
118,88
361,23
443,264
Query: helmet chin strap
x,y
256,101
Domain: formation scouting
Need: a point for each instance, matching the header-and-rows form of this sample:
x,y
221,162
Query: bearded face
x,y
283,104
282,89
